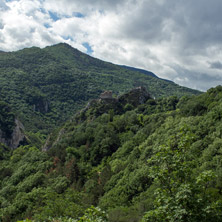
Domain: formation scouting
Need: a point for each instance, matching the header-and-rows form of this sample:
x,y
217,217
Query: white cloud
x,y
177,40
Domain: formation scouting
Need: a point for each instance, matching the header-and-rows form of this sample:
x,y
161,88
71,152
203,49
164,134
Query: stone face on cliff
x,y
16,137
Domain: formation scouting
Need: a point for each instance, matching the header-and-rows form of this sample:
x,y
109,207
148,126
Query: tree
x,y
182,195
93,214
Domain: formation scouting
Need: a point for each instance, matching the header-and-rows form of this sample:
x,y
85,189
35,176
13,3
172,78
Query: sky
x,y
179,40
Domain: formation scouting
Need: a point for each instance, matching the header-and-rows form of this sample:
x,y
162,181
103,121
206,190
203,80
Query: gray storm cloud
x,y
216,65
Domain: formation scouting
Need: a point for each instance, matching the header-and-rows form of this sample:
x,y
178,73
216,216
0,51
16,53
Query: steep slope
x,y
147,161
47,86
11,129
140,70
162,158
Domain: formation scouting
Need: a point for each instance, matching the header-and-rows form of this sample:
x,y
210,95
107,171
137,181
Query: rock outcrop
x,y
104,104
15,138
135,96
49,143
106,95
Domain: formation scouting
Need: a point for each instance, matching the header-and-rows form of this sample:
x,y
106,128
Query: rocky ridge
x,y
106,103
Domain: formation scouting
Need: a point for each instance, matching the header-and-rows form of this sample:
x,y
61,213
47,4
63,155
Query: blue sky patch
x,y
67,37
54,16
78,14
88,47
47,25
43,10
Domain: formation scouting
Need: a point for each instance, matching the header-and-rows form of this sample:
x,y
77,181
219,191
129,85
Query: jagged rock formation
x,y
106,95
135,96
16,138
104,104
57,81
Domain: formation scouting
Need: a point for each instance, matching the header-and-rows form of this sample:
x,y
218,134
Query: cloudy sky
x,y
180,40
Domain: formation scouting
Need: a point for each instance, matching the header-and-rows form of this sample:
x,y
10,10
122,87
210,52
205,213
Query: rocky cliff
x,y
16,138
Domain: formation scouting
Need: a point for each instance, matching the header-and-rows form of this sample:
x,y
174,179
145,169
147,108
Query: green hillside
x,y
123,161
47,86
7,119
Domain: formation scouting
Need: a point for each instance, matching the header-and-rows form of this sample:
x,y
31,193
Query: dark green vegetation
x,y
7,119
157,161
47,86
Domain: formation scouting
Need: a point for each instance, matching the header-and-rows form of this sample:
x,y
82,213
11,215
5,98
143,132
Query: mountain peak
x,y
67,79
62,44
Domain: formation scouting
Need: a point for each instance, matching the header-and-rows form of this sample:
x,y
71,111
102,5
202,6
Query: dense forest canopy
x,y
47,86
159,160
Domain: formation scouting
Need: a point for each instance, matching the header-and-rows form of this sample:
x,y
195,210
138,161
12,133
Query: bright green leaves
x,y
181,196
173,162
93,214
69,204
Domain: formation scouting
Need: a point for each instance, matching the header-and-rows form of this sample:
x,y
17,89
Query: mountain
x,y
130,158
45,87
144,72
139,70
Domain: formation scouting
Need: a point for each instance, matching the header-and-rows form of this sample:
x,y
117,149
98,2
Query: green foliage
x,y
47,86
36,139
66,205
182,196
4,152
7,119
156,162
21,187
93,214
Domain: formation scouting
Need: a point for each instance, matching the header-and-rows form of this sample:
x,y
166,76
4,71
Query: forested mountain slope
x,y
47,86
157,160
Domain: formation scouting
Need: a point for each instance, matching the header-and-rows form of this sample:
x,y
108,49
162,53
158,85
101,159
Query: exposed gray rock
x,y
106,95
135,96
48,144
16,138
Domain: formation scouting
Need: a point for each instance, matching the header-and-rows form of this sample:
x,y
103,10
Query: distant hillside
x,y
47,86
140,70
144,72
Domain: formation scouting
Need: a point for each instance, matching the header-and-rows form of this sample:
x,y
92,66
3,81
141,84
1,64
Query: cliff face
x,y
15,138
